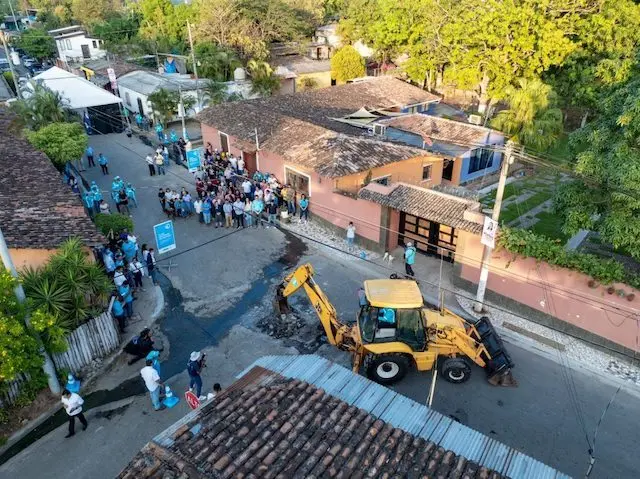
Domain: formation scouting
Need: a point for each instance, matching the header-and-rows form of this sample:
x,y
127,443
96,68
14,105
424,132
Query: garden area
x,y
527,203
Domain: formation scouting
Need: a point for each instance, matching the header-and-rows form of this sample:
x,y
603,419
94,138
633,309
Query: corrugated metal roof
x,y
406,414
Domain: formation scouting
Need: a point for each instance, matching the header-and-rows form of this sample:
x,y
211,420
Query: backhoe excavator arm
x,y
338,334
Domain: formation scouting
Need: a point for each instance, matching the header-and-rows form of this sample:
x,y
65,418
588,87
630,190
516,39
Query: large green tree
x,y
532,117
347,64
41,108
37,43
165,23
61,142
216,62
91,12
264,81
605,197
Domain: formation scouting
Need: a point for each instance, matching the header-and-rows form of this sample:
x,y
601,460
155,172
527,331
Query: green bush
x,y
527,243
112,225
70,287
8,76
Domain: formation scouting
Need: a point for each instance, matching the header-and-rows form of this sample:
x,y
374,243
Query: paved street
x,y
213,298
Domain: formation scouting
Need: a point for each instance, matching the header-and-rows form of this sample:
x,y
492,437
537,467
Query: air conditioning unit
x,y
378,129
475,119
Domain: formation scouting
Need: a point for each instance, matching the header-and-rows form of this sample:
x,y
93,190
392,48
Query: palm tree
x,y
216,92
41,108
264,81
215,62
165,104
532,118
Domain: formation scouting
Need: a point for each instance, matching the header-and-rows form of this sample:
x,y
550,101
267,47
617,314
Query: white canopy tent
x,y
77,92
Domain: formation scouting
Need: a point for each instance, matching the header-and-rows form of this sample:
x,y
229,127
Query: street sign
x,y
192,400
165,237
193,159
489,232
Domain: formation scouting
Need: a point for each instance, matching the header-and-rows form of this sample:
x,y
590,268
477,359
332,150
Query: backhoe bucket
x,y
281,303
499,366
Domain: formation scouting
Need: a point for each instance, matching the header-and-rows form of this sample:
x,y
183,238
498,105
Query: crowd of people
x,y
227,197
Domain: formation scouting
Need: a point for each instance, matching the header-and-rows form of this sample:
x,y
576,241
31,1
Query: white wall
x,y
70,48
132,104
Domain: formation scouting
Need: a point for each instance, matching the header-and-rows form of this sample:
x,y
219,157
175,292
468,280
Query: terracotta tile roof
x,y
317,107
441,129
289,428
425,203
36,209
300,127
333,155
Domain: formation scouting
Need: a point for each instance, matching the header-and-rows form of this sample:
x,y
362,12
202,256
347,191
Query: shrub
x,y
112,225
70,287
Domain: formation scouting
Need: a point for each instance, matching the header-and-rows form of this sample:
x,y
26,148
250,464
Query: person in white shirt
x,y
151,164
240,166
72,404
246,186
153,384
234,163
197,206
351,235
119,277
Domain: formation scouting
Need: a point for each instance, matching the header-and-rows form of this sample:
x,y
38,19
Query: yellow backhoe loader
x,y
397,329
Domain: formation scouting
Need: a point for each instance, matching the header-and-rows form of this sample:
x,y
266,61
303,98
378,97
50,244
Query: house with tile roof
x,y
330,143
304,416
38,212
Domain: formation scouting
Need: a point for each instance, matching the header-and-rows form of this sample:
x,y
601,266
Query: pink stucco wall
x,y
559,292
335,208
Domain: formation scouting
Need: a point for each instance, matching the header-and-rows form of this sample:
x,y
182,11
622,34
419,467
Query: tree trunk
x,y
583,122
484,98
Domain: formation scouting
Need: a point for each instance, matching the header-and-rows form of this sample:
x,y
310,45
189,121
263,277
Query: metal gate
x,y
429,237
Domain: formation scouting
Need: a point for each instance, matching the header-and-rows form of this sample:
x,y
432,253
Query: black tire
x,y
386,368
455,370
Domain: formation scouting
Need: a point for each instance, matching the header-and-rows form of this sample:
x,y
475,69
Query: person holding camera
x,y
194,368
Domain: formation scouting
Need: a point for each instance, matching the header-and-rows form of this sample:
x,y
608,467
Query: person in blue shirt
x,y
304,209
174,137
119,259
125,291
257,207
118,312
206,210
409,258
88,201
104,163
139,121
131,194
89,153
159,132
129,249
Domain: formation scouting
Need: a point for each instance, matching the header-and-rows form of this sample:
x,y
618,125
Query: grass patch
x,y
520,208
510,190
549,225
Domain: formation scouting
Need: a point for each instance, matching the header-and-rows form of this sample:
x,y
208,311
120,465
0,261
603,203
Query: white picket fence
x,y
93,340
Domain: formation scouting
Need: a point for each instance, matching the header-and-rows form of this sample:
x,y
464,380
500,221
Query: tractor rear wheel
x,y
386,368
455,370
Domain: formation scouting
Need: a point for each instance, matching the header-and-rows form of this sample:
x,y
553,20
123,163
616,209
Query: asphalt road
x,y
539,417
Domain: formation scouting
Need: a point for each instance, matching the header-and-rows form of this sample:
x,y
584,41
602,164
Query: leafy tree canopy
x,y
532,117
264,81
37,43
606,197
216,62
91,12
347,64
40,109
61,142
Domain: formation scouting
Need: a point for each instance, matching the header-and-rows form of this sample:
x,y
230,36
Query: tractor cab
x,y
393,313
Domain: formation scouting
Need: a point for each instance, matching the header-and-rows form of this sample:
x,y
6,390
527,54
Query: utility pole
x,y
195,66
13,72
488,250
182,113
48,367
13,14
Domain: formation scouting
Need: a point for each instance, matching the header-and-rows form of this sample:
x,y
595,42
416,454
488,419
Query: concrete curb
x,y
553,355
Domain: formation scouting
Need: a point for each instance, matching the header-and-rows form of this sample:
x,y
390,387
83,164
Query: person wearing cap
x,y
194,367
409,258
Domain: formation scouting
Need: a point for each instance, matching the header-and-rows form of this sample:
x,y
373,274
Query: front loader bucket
x,y
499,366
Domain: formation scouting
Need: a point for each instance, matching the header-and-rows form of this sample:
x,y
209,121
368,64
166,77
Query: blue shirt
x,y
125,292
410,255
89,151
102,160
129,250
118,309
304,204
257,206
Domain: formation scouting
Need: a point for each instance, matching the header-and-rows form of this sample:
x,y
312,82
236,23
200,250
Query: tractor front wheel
x,y
455,370
386,368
